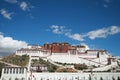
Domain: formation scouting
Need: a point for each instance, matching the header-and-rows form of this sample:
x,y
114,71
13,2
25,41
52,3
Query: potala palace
x,y
100,64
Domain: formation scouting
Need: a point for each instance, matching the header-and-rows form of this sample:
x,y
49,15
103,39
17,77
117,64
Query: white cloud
x,y
76,36
9,45
104,32
57,29
114,30
99,33
67,32
24,6
6,14
11,1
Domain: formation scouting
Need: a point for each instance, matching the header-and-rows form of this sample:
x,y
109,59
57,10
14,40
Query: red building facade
x,y
57,47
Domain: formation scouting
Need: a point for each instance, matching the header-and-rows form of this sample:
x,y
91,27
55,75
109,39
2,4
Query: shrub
x,y
80,66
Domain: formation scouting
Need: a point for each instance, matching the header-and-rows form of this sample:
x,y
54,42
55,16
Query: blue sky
x,y
94,23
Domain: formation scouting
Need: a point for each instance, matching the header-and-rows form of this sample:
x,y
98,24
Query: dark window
x,y
13,70
7,70
22,70
17,71
4,70
10,70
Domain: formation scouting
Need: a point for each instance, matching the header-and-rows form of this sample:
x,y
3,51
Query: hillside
x,y
16,60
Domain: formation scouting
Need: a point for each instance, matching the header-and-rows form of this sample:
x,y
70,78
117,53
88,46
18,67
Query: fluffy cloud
x,y
9,45
104,32
57,29
24,6
99,33
76,36
67,32
6,14
114,30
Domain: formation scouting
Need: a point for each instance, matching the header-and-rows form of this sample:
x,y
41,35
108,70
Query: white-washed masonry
x,y
74,76
21,73
14,73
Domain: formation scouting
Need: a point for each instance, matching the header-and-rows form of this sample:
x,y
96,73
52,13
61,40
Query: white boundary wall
x,y
73,76
60,76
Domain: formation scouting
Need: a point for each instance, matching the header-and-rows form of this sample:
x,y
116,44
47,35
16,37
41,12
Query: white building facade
x,y
75,55
32,50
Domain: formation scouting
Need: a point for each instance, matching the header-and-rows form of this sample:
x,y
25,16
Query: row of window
x,y
14,70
